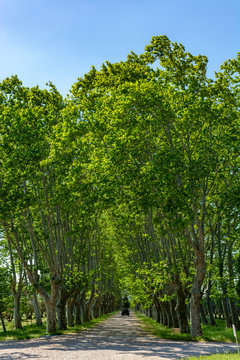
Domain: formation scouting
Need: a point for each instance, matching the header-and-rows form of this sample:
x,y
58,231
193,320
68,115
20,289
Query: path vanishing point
x,y
114,339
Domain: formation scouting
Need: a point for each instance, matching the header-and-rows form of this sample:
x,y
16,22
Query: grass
x,y
216,357
31,331
210,333
28,332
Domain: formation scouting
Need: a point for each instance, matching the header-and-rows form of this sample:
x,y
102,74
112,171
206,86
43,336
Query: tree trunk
x,y
78,313
84,312
169,314
104,305
203,315
212,321
2,321
164,314
51,304
88,311
36,309
16,289
196,329
70,310
78,307
51,316
233,308
181,309
195,308
175,321
61,309
221,254
234,314
150,315
197,242
225,306
158,308
17,316
88,314
96,307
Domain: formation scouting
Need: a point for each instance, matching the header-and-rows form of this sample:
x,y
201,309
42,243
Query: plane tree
x,y
28,212
151,137
157,136
44,209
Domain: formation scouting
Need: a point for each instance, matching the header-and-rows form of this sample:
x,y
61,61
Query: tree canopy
x,y
128,187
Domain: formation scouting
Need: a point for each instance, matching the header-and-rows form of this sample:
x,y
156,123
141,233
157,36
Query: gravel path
x,y
114,339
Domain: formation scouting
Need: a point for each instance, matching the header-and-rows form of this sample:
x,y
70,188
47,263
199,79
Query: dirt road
x,y
118,338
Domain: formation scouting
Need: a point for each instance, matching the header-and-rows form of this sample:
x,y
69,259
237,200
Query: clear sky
x,y
59,40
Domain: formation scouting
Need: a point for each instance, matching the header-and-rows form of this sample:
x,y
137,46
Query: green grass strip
x,y
216,357
210,333
33,331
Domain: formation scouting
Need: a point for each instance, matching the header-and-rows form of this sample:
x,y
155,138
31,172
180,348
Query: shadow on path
x,y
116,338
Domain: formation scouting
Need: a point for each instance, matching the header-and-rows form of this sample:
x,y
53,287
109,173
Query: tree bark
x,y
197,242
78,313
150,315
51,316
221,255
96,307
164,314
212,321
88,314
78,307
233,308
234,314
61,309
16,289
158,308
51,304
195,308
175,321
70,310
225,306
3,323
34,302
17,316
203,315
168,316
181,309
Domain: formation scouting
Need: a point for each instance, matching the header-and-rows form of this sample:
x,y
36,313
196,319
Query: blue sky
x,y
59,40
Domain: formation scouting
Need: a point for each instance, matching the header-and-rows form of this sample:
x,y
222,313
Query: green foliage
x,y
5,292
121,186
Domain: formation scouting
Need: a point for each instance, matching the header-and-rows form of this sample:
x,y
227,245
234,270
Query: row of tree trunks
x,y
75,308
78,308
170,312
62,308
